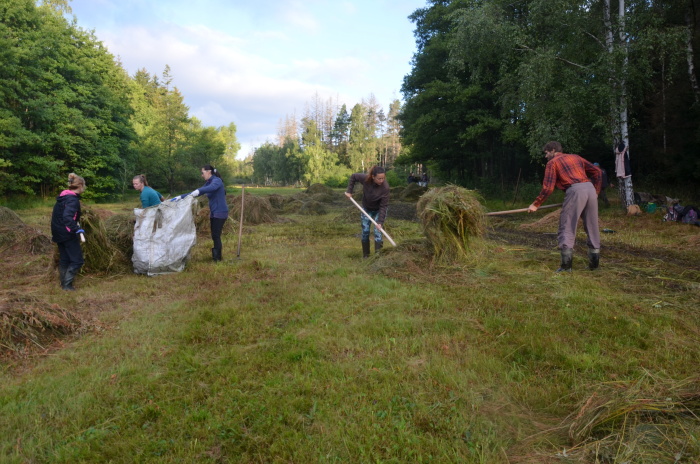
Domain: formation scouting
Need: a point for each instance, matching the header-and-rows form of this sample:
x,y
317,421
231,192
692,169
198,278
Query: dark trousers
x,y
217,226
70,254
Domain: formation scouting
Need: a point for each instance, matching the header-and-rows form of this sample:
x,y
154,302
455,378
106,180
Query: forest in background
x,y
494,80
68,105
491,82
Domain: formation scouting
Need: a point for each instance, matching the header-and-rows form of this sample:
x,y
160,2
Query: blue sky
x,y
253,62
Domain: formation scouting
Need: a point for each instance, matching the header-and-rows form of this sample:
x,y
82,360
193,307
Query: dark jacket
x,y
216,192
65,217
374,197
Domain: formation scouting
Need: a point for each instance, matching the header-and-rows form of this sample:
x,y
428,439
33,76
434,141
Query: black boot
x,y
378,244
68,279
216,254
593,258
62,275
365,249
567,256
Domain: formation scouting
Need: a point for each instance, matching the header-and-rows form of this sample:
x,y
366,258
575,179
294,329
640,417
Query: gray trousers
x,y
580,201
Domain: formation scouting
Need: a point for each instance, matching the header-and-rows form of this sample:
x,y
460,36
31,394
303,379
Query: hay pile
x,y
256,209
412,192
28,324
120,232
276,201
648,420
17,237
101,255
319,188
450,217
312,208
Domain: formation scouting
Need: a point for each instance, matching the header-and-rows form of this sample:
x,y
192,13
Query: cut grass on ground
x,y
300,351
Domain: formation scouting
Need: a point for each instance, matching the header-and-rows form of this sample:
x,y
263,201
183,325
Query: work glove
x,y
195,193
178,198
80,231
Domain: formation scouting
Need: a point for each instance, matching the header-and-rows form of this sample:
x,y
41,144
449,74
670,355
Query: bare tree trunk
x,y
628,193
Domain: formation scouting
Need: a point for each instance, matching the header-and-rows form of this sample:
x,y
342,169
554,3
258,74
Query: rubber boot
x,y
365,249
216,255
567,256
378,244
593,258
62,275
68,279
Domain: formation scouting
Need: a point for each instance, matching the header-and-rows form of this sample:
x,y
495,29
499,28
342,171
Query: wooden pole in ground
x,y
240,223
521,210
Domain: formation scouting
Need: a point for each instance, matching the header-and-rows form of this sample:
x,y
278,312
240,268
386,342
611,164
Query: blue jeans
x,y
366,224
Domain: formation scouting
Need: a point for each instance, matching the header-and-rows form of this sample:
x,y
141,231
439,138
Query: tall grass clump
x,y
450,217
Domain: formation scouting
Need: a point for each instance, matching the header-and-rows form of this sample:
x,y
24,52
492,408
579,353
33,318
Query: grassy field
x,y
302,352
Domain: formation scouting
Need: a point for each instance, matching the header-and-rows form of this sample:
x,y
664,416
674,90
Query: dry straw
x,y
28,324
646,421
100,254
16,236
451,216
256,209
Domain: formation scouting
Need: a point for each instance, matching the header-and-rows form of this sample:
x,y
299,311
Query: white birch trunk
x,y
690,54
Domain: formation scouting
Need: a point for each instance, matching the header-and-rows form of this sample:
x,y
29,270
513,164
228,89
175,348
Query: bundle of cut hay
x,y
120,232
17,237
328,197
645,421
276,201
349,214
28,324
451,216
293,206
319,188
412,192
256,210
100,254
312,208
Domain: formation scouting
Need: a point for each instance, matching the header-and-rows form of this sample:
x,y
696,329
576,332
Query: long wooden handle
x,y
521,210
381,229
240,223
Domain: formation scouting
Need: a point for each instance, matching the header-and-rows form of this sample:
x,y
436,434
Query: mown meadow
x,y
299,351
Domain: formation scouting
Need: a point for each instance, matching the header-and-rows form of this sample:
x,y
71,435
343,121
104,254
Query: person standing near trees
x,y
66,231
581,181
375,202
216,193
149,197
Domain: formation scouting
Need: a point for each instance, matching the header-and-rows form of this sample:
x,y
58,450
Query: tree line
x,y
327,143
68,105
493,80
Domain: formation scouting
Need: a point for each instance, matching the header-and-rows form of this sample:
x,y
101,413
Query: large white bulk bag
x,y
163,236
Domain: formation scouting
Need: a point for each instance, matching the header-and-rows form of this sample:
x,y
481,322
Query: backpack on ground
x,y
672,214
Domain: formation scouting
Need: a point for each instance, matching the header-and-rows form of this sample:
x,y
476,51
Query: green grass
x,y
302,352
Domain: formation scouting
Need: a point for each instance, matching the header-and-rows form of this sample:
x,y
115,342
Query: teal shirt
x,y
149,197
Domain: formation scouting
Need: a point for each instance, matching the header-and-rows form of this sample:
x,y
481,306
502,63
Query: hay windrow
x,y
450,217
645,421
28,324
412,192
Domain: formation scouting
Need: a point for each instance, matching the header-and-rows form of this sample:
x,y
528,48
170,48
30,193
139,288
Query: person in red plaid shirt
x,y
581,181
